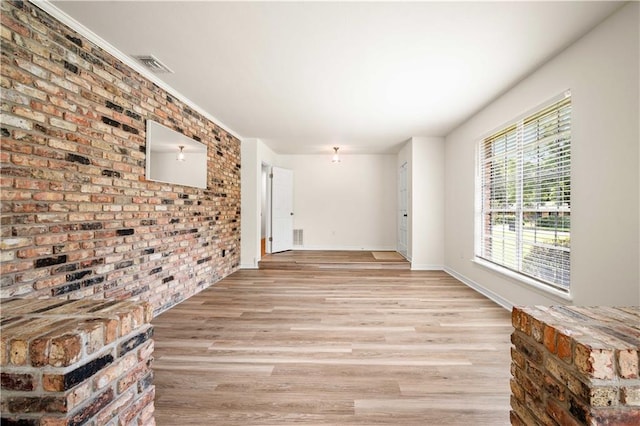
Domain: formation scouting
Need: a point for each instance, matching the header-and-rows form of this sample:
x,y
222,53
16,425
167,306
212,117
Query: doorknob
x,y
405,215
291,213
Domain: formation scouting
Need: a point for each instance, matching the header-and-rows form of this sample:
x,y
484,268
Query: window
x,y
525,196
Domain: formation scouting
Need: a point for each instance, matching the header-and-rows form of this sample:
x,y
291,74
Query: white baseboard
x,y
480,289
344,248
248,266
425,267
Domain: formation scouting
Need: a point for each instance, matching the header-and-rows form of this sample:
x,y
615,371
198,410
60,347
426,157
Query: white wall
x,y
253,153
351,205
405,156
426,203
602,70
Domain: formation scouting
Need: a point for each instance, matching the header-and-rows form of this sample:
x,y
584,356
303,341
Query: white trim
x,y
345,248
248,266
557,98
547,290
426,267
480,289
517,208
67,20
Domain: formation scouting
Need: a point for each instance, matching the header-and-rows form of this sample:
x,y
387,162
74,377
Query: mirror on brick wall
x,y
174,158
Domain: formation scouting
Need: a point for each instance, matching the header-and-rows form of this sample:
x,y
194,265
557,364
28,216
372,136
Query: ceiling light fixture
x,y
180,156
336,157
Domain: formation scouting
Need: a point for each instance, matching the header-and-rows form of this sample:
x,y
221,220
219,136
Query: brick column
x,y
575,366
76,362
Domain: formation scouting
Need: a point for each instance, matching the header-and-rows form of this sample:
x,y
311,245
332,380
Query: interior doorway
x,y
281,209
403,211
265,211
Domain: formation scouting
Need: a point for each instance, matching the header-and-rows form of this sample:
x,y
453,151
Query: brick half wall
x,y
79,220
575,366
77,362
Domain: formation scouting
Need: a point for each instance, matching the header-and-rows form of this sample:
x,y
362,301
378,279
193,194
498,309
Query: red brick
x,y
48,196
29,113
50,239
522,412
34,252
49,282
134,410
516,390
537,329
112,327
615,417
132,376
16,195
110,374
18,352
145,418
53,421
113,409
78,395
93,407
18,381
35,404
564,347
549,339
527,347
560,414
515,419
53,382
17,75
31,184
13,25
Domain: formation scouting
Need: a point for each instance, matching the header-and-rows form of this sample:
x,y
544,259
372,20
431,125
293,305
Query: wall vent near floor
x,y
298,238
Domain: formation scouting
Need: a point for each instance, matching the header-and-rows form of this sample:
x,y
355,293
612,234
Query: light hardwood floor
x,y
313,259
333,347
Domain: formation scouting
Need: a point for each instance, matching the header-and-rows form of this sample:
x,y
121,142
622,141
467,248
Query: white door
x,y
403,211
281,209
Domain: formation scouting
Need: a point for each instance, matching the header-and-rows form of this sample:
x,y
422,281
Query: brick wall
x,y
575,366
79,220
82,362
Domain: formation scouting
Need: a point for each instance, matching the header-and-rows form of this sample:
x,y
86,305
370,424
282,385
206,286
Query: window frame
x,y
518,125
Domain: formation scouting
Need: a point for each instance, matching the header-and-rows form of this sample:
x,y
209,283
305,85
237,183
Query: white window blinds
x,y
525,196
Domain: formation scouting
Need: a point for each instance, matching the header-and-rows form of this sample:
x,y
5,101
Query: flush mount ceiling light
x,y
153,64
336,157
180,156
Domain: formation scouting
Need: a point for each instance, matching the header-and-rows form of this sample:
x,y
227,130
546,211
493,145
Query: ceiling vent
x,y
153,64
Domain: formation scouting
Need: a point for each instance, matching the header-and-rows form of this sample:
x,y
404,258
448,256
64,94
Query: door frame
x,y
265,206
281,213
403,209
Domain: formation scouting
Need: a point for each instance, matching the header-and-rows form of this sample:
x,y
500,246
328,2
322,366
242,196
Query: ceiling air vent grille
x,y
153,64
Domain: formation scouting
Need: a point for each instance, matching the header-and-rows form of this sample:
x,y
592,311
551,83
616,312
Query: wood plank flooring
x,y
315,259
333,347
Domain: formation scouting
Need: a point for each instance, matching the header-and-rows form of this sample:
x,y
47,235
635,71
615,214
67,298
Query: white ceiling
x,y
304,76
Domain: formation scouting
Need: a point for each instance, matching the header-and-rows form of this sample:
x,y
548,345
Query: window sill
x,y
548,290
